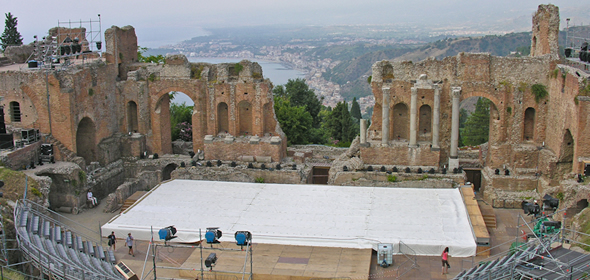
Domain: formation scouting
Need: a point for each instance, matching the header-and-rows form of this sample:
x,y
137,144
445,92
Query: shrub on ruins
x,y
149,58
10,36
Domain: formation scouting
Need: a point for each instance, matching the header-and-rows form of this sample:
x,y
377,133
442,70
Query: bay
x,y
279,74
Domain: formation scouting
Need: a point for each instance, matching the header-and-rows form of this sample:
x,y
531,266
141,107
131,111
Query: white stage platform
x,y
427,220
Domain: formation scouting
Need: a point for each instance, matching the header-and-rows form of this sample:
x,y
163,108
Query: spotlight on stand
x,y
550,202
212,235
243,237
167,233
211,260
531,208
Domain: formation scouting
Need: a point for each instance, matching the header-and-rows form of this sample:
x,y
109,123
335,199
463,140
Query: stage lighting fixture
x,y
370,168
497,171
212,235
167,233
383,168
394,169
531,208
211,260
550,202
243,237
345,168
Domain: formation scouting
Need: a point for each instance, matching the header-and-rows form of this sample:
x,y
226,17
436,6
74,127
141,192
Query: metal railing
x,y
46,263
411,261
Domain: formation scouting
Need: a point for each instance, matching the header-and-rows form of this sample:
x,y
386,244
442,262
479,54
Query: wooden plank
x,y
482,235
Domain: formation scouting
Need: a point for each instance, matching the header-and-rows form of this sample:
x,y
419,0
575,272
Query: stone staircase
x,y
4,61
63,153
132,199
489,216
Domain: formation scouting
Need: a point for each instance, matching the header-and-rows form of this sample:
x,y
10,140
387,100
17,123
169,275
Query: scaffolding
x,y
544,254
575,39
69,41
204,272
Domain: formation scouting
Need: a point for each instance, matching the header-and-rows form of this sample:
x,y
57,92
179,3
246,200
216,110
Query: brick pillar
x,y
385,116
456,93
436,119
413,115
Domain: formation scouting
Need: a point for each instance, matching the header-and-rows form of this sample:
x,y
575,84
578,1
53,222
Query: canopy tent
x,y
426,220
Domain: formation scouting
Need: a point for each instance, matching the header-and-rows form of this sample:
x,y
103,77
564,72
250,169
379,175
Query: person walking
x,y
112,240
445,261
129,242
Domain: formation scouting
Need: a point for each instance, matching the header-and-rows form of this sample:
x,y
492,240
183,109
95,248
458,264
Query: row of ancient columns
x,y
456,95
413,117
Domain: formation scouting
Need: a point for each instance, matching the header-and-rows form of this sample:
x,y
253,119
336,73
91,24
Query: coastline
x,y
287,65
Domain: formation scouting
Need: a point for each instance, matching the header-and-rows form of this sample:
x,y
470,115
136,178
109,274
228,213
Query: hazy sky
x,y
167,22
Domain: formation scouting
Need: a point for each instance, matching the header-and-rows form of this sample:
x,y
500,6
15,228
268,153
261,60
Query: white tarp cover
x,y
427,220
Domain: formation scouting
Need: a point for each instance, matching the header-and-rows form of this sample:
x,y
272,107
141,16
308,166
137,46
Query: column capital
x,y
414,90
385,88
456,92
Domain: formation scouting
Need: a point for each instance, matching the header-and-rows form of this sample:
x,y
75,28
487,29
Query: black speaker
x,y
2,123
587,170
568,52
6,141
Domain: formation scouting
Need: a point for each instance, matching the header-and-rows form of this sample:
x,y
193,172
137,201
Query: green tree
x,y
463,114
10,36
340,126
477,125
150,58
299,94
355,110
295,121
181,116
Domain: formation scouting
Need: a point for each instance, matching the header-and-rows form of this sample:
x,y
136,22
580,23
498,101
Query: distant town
x,y
317,53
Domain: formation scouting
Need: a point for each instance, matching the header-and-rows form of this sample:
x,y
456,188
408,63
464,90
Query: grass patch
x,y
509,110
584,222
91,91
391,178
522,87
259,180
196,71
14,184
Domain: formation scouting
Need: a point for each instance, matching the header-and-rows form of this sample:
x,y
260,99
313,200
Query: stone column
x,y
363,131
385,116
436,119
413,115
456,94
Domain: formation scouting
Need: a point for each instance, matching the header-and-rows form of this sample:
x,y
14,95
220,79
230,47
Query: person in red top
x,y
445,261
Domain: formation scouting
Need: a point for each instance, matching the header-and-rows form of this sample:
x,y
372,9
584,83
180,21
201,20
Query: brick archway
x,y
161,141
86,140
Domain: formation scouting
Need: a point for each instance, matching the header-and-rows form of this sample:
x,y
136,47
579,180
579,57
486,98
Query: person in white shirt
x,y
91,198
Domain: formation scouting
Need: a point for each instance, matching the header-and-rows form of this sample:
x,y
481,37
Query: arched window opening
x,y
401,122
86,139
529,124
425,123
245,118
222,118
132,123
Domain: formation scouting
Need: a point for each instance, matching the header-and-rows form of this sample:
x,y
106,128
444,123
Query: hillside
x,y
352,74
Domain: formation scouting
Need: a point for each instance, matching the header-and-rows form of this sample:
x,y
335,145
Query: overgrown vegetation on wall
x,y
539,91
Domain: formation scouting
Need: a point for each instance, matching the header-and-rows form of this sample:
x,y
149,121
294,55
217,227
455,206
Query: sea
x,y
278,73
